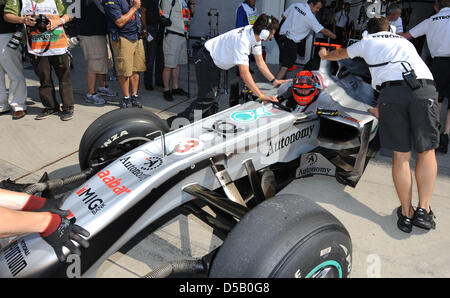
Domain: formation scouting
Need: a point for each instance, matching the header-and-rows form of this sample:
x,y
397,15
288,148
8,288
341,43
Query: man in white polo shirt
x,y
437,30
393,15
407,110
227,51
299,20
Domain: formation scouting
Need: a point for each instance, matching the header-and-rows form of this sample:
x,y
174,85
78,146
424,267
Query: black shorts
x,y
440,68
288,51
409,119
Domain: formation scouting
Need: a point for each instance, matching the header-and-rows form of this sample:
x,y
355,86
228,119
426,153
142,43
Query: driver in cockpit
x,y
302,93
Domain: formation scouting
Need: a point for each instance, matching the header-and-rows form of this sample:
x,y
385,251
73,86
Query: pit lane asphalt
x,y
28,148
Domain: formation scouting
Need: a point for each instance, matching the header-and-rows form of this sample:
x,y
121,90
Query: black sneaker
x,y
443,143
424,220
67,114
179,91
168,95
46,112
135,103
404,223
126,103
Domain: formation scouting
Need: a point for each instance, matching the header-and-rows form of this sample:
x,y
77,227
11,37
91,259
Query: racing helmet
x,y
306,87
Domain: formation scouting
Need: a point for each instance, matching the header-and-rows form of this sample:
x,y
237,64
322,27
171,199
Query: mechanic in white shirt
x,y
437,30
299,20
393,15
408,116
226,51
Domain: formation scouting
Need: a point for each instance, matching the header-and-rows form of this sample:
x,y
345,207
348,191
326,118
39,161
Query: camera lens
x,y
15,40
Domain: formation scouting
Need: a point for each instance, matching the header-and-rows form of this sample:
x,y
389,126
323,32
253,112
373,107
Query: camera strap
x,y
47,47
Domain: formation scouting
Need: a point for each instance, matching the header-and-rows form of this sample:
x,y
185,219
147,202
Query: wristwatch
x,y
273,80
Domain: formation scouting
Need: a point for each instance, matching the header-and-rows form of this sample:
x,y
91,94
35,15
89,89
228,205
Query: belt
x,y
441,58
176,33
402,82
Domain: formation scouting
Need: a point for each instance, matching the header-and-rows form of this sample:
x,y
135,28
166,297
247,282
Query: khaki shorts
x,y
95,52
129,56
174,48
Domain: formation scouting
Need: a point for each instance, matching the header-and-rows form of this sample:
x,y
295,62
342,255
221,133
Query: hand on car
x,y
267,99
61,232
278,83
323,52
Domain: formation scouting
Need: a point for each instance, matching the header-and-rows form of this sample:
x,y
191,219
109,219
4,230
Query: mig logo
x,y
113,183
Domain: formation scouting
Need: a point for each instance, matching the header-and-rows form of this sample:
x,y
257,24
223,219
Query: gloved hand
x,y
60,232
39,204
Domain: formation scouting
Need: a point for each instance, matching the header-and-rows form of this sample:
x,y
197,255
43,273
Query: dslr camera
x,y
41,23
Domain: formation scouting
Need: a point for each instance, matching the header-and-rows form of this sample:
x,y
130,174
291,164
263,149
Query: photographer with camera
x,y
47,48
11,65
124,26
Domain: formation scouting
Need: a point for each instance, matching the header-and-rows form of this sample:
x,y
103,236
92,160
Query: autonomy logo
x,y
142,171
113,183
286,141
91,199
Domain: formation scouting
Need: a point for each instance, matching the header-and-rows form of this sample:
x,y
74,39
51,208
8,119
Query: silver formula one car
x,y
137,172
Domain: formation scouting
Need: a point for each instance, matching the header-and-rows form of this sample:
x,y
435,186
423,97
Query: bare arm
x,y
13,223
336,55
262,66
11,18
13,200
246,76
124,19
406,35
328,33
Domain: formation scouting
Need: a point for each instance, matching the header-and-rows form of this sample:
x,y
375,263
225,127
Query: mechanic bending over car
x,y
21,213
227,51
408,114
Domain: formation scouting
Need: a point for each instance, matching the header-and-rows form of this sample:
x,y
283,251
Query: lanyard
x,y
34,6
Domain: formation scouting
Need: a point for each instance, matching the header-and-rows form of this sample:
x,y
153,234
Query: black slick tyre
x,y
286,236
117,132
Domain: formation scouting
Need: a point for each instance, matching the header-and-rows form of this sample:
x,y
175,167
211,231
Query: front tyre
x,y
117,132
287,236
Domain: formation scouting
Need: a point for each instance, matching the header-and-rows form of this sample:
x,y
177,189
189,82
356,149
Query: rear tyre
x,y
286,236
117,132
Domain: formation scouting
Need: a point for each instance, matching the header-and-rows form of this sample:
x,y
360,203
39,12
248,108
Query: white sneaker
x,y
95,99
106,91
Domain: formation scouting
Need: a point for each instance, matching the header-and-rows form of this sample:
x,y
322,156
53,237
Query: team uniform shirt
x,y
299,22
245,15
233,48
437,30
384,47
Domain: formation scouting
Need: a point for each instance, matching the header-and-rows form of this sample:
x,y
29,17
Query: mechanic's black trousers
x,y
208,76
